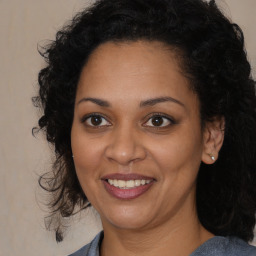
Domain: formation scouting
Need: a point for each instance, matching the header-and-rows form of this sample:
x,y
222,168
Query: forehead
x,y
141,54
133,69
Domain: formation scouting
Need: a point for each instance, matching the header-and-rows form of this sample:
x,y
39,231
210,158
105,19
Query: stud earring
x,y
212,157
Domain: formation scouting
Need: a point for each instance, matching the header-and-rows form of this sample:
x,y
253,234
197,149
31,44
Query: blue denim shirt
x,y
216,246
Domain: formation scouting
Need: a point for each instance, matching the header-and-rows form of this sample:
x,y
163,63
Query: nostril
x,y
124,148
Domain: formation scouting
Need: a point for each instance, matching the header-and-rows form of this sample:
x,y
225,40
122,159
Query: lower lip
x,y
126,193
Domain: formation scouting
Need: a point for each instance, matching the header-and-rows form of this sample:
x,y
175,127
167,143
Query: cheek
x,y
179,152
87,159
87,154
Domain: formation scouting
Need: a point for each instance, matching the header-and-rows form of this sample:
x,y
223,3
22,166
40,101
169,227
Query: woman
x,y
152,111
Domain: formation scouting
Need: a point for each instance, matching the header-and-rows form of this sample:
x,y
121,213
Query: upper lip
x,y
128,176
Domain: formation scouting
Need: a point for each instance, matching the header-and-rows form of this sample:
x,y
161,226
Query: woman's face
x,y
136,136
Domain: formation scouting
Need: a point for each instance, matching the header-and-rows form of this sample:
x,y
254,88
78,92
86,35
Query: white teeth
x,y
121,183
137,183
127,184
130,184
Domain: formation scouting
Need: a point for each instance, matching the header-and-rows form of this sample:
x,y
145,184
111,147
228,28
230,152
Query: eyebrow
x,y
152,102
102,103
149,102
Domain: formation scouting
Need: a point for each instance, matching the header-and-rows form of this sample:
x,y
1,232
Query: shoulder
x,y
91,249
225,246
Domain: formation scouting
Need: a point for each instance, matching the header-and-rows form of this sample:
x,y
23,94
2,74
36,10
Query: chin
x,y
127,218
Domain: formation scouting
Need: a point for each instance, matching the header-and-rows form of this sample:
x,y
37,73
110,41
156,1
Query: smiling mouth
x,y
127,184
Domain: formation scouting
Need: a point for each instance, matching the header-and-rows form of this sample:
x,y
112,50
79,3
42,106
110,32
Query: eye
x,y
159,121
95,120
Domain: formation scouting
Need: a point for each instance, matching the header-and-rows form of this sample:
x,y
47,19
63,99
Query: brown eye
x,y
158,121
96,120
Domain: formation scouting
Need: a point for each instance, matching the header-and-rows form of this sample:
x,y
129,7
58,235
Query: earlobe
x,y
213,139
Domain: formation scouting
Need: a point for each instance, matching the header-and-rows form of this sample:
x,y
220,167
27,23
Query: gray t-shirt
x,y
216,246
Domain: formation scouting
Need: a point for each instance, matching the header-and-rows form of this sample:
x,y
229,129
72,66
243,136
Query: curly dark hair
x,y
212,51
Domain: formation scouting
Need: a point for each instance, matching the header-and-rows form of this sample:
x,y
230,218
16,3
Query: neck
x,y
178,237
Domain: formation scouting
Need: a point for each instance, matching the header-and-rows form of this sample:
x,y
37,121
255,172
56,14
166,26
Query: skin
x,y
126,141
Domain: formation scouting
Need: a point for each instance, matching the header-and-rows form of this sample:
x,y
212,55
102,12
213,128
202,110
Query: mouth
x,y
127,186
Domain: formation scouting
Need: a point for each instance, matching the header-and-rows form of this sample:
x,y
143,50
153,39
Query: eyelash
x,y
161,115
86,117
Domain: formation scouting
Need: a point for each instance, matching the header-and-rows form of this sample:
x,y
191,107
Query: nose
x,y
125,146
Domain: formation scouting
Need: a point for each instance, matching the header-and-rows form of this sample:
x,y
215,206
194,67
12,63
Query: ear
x,y
213,137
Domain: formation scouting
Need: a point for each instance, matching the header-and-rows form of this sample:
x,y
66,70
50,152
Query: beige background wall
x,y
23,24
